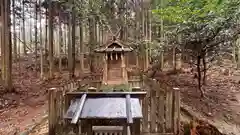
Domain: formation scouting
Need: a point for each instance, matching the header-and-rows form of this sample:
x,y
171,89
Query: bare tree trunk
x,y
8,47
238,52
36,35
204,70
174,58
24,33
199,77
35,27
14,31
50,28
70,58
73,39
41,45
91,42
60,45
234,52
3,65
81,46
46,37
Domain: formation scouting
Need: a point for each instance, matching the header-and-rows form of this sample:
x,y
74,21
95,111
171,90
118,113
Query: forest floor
x,y
24,107
221,104
20,110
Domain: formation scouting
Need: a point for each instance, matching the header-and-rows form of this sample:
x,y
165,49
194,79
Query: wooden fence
x,y
161,109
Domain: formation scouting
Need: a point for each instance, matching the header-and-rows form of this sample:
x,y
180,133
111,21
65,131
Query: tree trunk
x,y
41,45
70,58
234,52
204,70
36,35
14,31
24,33
238,52
46,37
60,45
174,58
3,65
8,47
81,46
91,42
73,39
50,29
199,77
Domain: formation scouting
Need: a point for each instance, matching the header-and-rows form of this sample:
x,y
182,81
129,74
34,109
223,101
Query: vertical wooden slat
x,y
173,111
79,128
51,111
177,108
136,127
125,130
153,111
71,86
89,129
168,111
58,106
145,105
161,112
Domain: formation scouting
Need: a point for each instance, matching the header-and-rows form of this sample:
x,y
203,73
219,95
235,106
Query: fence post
x,y
177,110
51,111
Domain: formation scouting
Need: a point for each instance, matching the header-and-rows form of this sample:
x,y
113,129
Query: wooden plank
x,y
58,106
177,107
106,94
153,111
137,127
79,109
173,111
129,109
128,130
168,112
158,134
161,119
107,128
51,111
89,129
125,130
145,105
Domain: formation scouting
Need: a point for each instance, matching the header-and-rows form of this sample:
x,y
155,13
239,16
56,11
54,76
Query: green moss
x,y
109,88
118,87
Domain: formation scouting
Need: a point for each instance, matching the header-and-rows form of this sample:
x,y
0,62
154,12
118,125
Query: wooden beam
x,y
157,133
128,109
140,95
79,109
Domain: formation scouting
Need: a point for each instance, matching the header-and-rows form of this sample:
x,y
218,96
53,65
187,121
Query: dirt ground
x,y
20,110
221,104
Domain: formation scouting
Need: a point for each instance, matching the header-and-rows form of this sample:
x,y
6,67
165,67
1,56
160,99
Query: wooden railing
x,y
113,130
160,108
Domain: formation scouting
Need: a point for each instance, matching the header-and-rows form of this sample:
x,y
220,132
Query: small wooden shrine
x,y
114,61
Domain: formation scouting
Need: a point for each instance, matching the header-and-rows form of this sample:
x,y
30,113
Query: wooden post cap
x,y
92,89
136,89
176,89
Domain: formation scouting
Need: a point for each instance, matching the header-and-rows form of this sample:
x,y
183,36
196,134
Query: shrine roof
x,y
106,105
114,46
